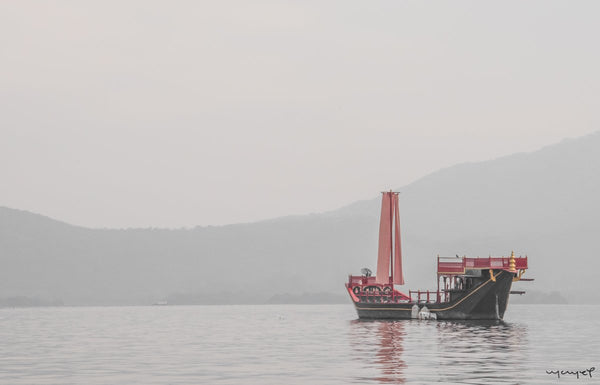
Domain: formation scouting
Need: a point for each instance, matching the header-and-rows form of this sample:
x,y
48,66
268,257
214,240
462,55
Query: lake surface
x,y
292,344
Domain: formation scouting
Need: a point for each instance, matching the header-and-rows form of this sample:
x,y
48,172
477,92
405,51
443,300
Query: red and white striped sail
x,y
389,260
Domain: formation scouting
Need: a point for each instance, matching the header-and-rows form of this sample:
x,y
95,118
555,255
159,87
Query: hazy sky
x,y
168,114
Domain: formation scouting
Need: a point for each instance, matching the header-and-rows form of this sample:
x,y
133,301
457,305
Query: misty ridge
x,y
542,204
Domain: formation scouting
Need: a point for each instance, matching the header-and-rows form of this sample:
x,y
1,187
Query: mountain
x,y
543,204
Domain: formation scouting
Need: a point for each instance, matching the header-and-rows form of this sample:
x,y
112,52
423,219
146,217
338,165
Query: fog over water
x,y
229,156
542,204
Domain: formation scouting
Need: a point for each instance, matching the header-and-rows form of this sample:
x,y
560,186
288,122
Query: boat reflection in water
x,y
389,355
388,348
399,352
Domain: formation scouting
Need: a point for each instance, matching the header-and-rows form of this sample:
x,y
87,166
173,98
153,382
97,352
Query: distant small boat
x,y
468,288
160,303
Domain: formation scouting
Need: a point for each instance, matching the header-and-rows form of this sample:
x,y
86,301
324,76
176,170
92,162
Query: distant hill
x,y
544,204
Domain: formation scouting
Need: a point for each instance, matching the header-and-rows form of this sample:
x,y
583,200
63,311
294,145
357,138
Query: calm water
x,y
291,344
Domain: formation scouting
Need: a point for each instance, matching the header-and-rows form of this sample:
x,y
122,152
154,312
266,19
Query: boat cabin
x,y
455,277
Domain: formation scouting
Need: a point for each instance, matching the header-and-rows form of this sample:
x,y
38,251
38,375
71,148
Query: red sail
x,y
390,252
398,276
385,241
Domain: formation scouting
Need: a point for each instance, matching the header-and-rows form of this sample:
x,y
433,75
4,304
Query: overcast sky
x,y
174,113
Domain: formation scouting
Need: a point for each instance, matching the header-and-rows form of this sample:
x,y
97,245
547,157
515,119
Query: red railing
x,y
427,296
458,266
354,280
367,287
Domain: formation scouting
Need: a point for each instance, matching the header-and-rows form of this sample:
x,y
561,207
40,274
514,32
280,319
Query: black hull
x,y
486,301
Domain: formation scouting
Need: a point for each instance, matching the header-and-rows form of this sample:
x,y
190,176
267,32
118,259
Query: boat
x,y
467,288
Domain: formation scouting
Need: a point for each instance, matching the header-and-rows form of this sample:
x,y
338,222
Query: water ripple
x,y
289,344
